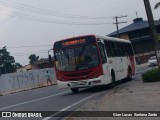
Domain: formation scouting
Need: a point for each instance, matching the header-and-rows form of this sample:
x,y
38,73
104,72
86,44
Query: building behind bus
x,y
139,34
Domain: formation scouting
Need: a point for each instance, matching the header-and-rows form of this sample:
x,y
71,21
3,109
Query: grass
x,y
151,75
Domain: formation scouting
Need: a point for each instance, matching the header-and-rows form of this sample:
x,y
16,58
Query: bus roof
x,y
98,36
113,39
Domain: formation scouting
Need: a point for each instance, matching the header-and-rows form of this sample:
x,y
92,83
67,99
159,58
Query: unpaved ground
x,y
132,96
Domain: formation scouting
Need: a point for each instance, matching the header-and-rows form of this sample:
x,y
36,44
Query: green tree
x,y
157,5
7,62
33,58
17,65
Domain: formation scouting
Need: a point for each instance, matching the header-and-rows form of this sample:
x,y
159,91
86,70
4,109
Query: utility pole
x,y
153,31
117,23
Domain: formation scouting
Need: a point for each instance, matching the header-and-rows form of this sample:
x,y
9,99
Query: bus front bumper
x,y
80,83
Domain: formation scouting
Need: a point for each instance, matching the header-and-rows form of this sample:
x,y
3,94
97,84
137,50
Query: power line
x,y
29,53
32,9
14,47
26,54
46,20
32,52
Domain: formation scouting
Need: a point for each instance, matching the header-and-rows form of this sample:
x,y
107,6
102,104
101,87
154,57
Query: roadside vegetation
x,y
151,75
7,62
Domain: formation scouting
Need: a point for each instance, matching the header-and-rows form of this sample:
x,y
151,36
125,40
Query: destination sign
x,y
74,42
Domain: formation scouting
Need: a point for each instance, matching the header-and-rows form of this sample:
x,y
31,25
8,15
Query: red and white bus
x,y
92,60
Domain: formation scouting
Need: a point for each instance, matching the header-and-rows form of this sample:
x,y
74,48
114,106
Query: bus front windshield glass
x,y
79,58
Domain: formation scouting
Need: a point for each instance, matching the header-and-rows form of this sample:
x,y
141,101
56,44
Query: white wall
x,y
25,80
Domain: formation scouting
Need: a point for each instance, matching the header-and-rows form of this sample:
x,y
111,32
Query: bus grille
x,y
78,74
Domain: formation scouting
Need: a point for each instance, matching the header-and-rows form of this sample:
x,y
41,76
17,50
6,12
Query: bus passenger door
x,y
102,52
103,56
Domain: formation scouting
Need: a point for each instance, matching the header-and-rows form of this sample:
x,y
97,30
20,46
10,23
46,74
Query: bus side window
x,y
102,52
107,48
131,49
111,48
116,49
120,49
124,48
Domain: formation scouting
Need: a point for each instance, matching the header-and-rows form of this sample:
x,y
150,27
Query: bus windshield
x,y
78,58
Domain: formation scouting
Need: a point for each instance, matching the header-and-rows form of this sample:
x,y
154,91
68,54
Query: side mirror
x,y
50,58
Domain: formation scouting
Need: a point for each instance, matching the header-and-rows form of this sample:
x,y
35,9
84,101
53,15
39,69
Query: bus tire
x,y
74,90
112,79
129,78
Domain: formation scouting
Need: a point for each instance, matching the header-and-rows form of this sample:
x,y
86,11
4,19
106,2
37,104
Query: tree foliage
x,y
17,65
157,5
7,62
33,58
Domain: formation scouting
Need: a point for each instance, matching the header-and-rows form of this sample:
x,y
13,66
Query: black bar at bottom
x,y
80,114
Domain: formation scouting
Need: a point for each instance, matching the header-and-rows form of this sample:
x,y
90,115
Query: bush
x,y
151,75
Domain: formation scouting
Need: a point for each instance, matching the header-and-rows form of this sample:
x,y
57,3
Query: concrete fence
x,y
25,80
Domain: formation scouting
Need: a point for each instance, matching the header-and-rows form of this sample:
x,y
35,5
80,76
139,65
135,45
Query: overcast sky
x,y
32,26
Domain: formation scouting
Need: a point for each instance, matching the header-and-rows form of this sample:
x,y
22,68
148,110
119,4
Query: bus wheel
x,y
113,79
74,90
129,74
